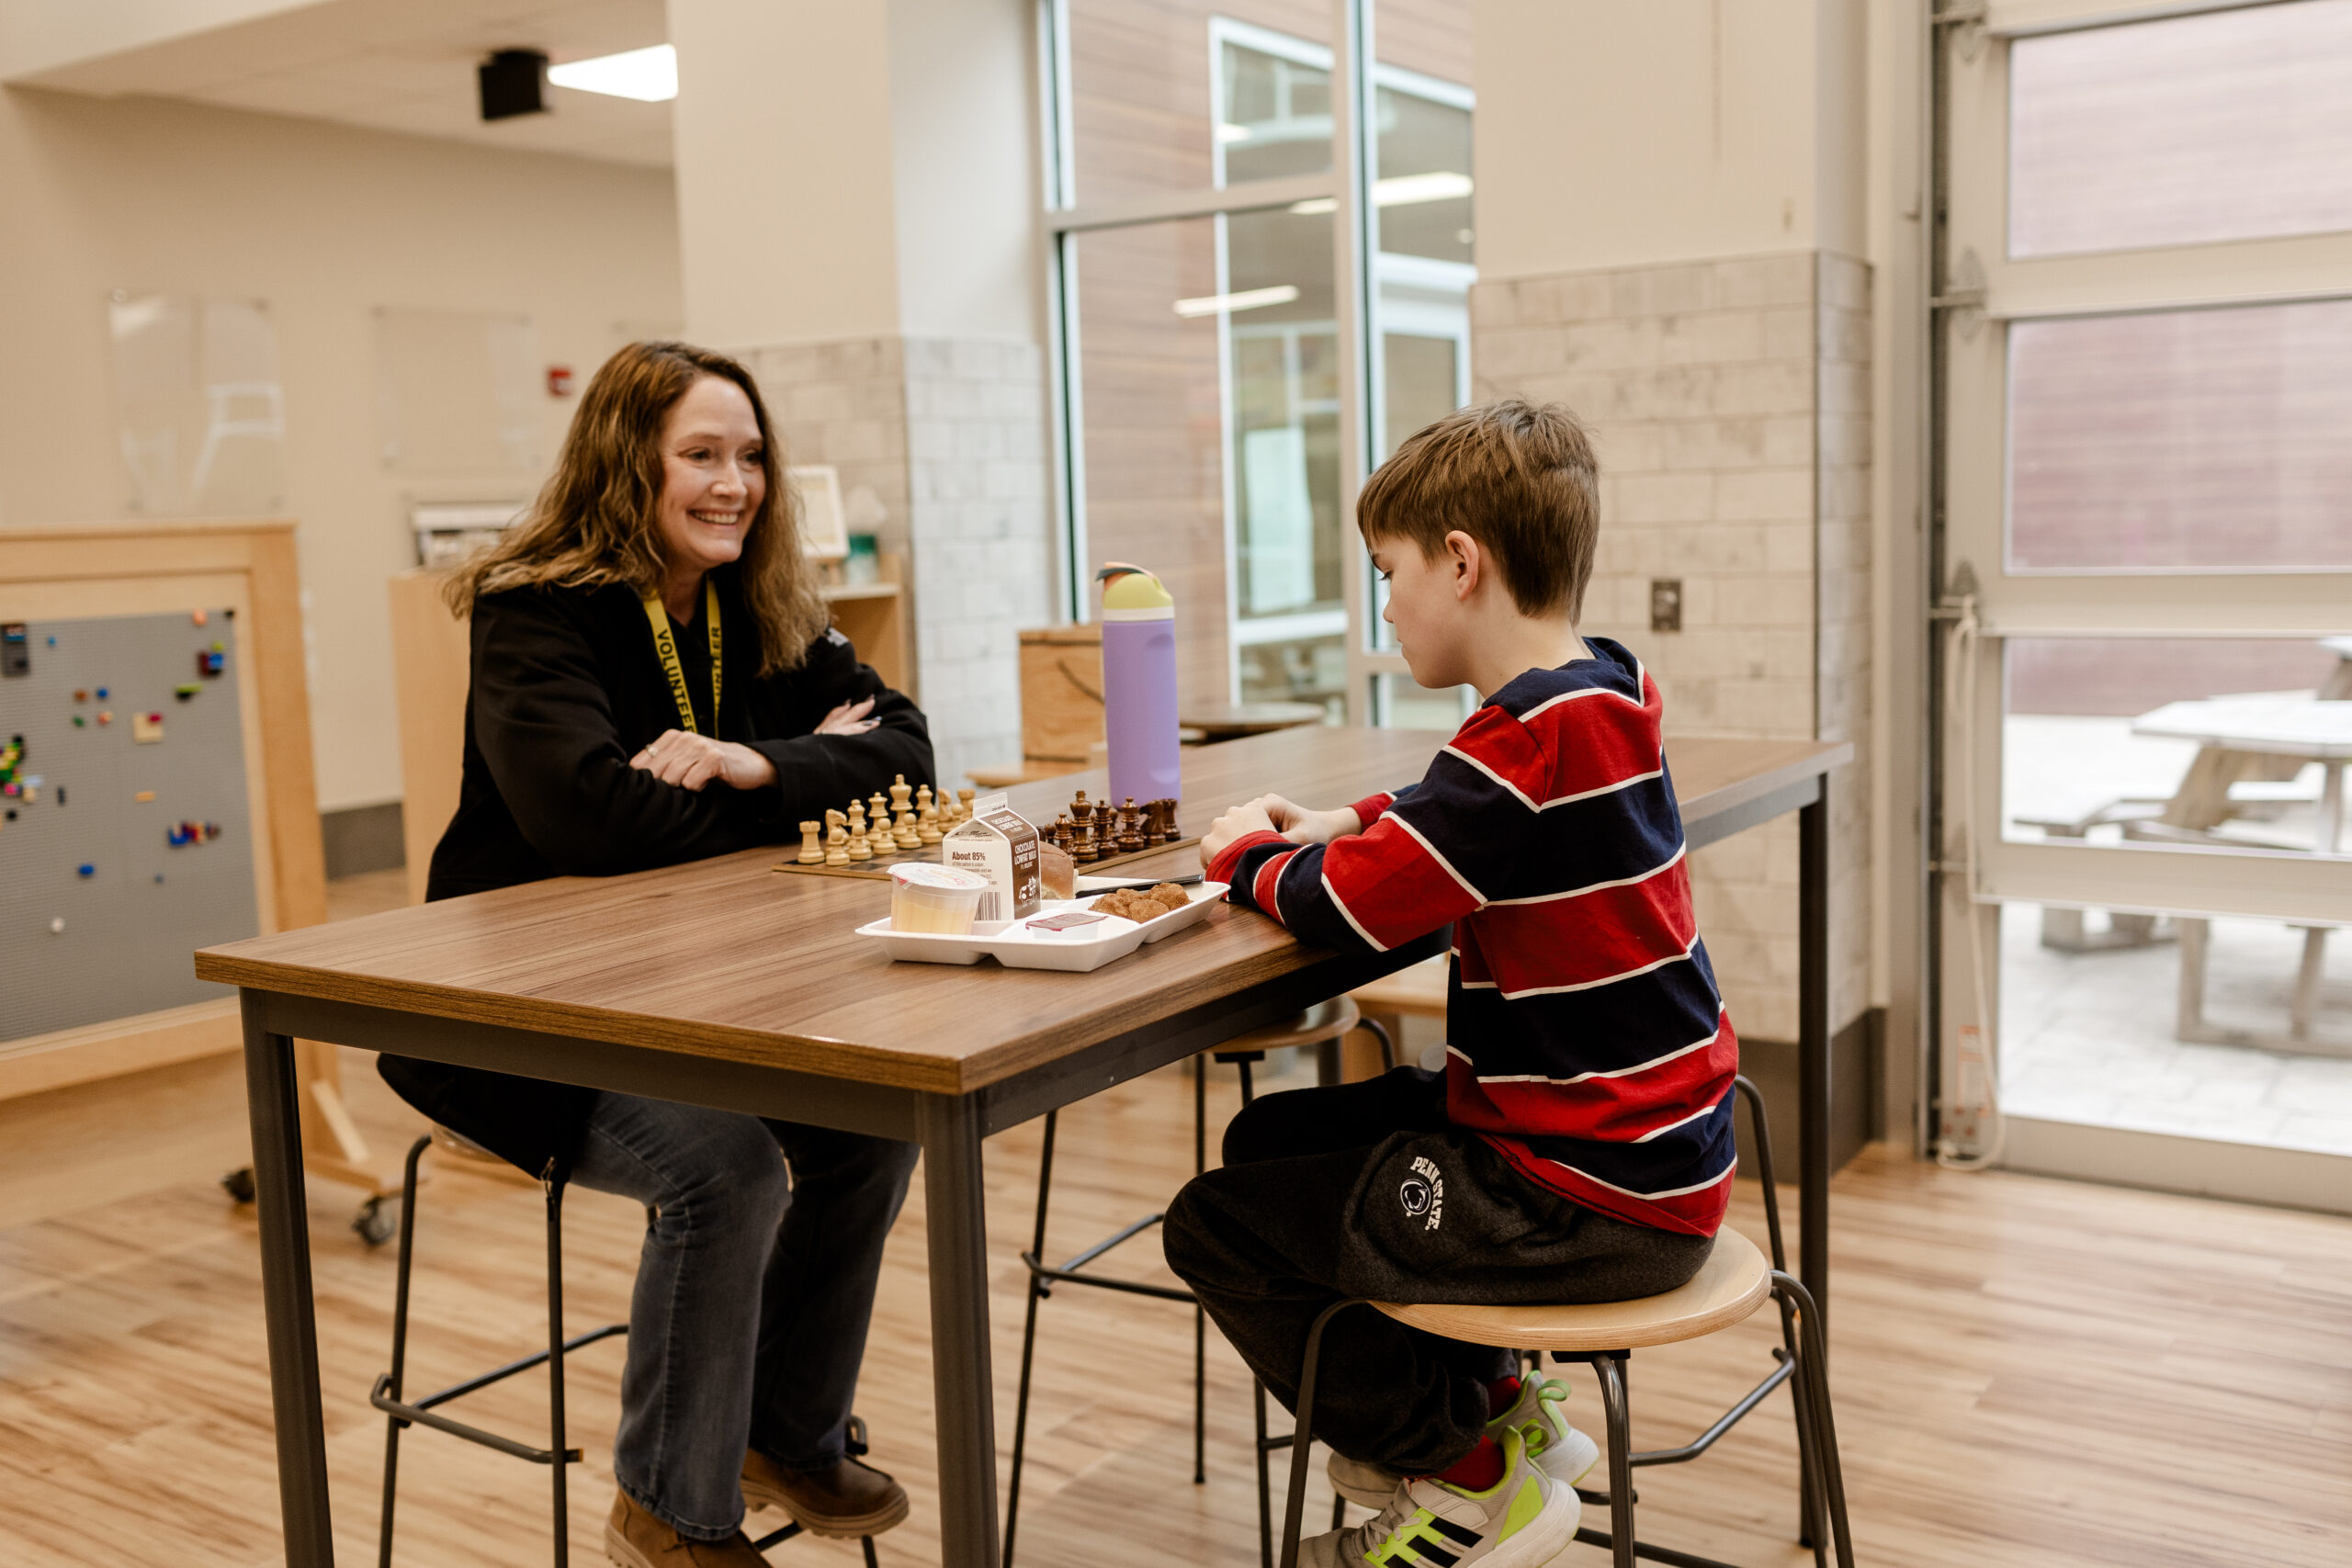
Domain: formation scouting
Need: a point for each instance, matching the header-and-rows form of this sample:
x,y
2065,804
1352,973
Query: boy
x,y
1578,1145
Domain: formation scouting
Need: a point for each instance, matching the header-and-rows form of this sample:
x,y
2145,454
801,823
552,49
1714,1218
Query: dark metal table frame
x,y
950,1127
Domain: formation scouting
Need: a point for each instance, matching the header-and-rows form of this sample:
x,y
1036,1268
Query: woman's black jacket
x,y
566,688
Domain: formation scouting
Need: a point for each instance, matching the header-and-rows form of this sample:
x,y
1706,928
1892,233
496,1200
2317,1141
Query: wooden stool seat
x,y
1334,1020
1734,1280
458,1146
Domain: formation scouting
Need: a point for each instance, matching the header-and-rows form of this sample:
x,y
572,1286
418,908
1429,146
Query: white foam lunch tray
x,y
1017,947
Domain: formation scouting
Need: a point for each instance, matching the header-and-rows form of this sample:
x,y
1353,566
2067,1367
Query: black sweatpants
x,y
1364,1190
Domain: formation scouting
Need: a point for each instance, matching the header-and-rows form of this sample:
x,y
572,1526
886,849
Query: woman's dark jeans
x,y
752,1296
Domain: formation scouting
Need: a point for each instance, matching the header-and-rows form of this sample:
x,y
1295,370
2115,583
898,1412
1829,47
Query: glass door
x,y
2145,335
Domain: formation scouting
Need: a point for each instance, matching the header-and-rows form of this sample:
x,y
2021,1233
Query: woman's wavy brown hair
x,y
593,521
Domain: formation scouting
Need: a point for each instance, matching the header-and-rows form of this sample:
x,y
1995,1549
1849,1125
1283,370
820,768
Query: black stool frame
x,y
1801,1361
1044,1277
399,1414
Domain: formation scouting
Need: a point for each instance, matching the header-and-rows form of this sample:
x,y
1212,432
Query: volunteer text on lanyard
x,y
667,648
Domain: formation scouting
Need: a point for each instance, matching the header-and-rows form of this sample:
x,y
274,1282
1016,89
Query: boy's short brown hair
x,y
1518,476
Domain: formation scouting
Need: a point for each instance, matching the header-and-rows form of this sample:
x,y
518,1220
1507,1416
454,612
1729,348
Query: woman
x,y
654,681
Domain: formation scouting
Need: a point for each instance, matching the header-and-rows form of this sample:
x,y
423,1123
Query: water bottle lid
x,y
1128,587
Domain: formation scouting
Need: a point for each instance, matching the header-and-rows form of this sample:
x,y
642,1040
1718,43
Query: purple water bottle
x,y
1139,684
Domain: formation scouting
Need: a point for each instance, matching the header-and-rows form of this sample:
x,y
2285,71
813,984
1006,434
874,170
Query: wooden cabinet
x,y
1061,693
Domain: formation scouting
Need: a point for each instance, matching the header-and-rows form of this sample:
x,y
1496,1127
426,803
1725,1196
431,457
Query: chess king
x,y
654,681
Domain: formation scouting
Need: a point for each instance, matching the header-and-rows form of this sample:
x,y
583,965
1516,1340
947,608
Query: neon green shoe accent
x,y
1523,1508
1414,1529
1539,1432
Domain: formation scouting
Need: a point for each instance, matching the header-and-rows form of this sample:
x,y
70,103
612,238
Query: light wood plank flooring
x,y
2029,1372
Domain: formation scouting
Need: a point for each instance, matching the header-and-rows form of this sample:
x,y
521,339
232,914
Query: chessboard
x,y
868,837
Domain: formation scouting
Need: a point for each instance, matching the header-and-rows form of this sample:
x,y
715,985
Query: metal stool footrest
x,y
775,1538
420,1411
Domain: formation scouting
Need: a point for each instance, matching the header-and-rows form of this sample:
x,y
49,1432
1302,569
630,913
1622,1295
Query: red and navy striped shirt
x,y
1587,1041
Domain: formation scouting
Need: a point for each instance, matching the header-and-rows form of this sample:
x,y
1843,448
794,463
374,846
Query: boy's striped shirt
x,y
1588,1040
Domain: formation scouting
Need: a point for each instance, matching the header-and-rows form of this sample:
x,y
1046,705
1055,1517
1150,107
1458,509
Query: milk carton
x,y
998,843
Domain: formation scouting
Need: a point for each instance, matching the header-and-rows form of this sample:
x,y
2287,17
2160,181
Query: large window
x,y
2146,348
1263,267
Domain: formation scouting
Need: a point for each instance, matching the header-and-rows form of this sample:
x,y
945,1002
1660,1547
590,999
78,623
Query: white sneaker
x,y
1566,1454
1522,1521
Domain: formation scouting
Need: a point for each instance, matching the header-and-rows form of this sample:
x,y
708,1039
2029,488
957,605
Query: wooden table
x,y
1230,721
2272,727
721,983
2245,730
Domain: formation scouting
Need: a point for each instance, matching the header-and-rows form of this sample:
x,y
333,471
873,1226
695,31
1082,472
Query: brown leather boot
x,y
852,1498
635,1538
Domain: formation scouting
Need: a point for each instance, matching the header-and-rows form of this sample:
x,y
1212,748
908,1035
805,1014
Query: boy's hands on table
x,y
1272,814
1301,826
1233,822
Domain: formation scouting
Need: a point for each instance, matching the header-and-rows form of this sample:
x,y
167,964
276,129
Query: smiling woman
x,y
654,681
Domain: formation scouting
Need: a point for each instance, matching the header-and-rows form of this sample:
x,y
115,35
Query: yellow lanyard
x,y
666,647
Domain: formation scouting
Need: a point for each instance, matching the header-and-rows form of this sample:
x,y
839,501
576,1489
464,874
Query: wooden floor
x,y
2028,1371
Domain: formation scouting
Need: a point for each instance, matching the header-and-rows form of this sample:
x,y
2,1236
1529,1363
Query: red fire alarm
x,y
559,380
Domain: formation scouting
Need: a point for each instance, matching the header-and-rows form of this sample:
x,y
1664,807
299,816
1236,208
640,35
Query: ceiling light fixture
x,y
648,75
1398,190
1410,190
1246,300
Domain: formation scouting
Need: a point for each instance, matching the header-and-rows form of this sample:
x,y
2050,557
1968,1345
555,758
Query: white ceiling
x,y
401,66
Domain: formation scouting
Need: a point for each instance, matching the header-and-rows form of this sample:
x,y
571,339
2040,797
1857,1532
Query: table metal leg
x,y
1812,1048
274,1107
963,1386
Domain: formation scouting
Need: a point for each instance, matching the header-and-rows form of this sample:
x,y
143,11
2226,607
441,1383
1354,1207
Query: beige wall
x,y
854,171
860,222
783,138
1631,132
324,223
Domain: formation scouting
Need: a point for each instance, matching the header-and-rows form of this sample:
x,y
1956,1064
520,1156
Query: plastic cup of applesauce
x,y
937,900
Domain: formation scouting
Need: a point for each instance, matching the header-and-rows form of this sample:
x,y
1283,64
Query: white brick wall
x,y
1729,403
949,437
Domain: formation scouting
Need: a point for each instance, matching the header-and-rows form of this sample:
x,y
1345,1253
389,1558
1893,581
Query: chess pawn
x,y
859,848
927,824
836,839
904,833
811,853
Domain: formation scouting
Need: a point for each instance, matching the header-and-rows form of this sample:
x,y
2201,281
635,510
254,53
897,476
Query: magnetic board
x,y
158,750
